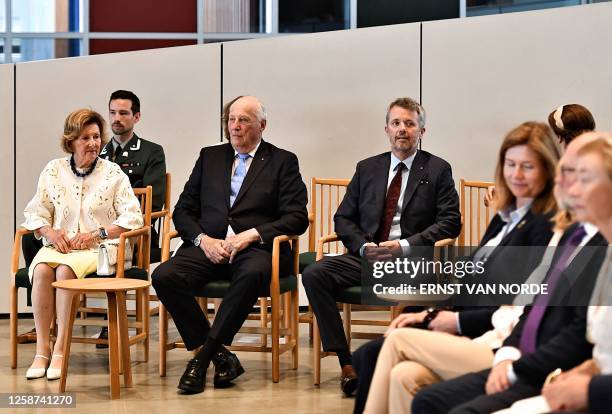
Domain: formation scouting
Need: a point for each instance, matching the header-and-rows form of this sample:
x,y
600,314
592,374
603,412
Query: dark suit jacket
x,y
272,198
561,339
144,163
600,395
430,210
533,231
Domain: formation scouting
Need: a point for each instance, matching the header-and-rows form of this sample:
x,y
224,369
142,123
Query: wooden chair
x,y
351,298
284,316
475,216
140,270
325,197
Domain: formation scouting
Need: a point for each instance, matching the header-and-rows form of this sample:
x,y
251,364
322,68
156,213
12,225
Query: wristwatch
x,y
198,240
102,233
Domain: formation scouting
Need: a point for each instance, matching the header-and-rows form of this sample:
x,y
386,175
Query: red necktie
x,y
393,195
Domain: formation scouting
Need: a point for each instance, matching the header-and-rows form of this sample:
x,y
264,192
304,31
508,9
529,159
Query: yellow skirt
x,y
82,262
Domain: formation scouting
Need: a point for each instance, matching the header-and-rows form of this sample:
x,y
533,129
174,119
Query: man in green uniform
x,y
142,161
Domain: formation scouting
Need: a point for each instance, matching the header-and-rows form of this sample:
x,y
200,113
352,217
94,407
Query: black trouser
x,y
179,279
466,394
323,280
364,362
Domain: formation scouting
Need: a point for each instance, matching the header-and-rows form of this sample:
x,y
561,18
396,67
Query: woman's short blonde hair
x,y
74,124
602,146
540,139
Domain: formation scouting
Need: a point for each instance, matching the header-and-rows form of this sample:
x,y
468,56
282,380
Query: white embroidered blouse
x,y
82,204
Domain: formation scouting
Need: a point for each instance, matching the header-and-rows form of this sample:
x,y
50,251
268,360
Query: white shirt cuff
x,y
458,323
363,246
405,247
511,375
506,352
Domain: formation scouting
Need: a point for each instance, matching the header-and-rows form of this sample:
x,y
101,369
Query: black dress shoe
x,y
193,379
103,335
348,384
227,368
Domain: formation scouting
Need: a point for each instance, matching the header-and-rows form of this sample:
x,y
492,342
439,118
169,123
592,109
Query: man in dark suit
x,y
396,199
238,198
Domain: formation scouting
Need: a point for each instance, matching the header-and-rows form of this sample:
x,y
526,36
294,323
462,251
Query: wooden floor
x,y
253,392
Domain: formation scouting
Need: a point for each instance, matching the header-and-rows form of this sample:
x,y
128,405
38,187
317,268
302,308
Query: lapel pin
x,y
521,224
125,154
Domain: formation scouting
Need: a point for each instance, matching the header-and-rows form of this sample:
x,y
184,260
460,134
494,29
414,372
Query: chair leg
x,y
346,321
275,338
13,326
113,345
295,326
316,347
67,340
263,319
163,339
124,339
146,318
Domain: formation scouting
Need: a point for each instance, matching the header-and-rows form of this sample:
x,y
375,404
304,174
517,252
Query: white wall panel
x,y
179,90
6,178
482,76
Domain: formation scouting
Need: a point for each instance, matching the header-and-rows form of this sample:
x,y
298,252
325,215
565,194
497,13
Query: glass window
x,y
308,16
483,7
2,55
27,49
2,16
234,16
46,15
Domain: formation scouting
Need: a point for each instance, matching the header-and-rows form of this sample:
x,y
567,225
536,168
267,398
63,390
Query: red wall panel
x,y
143,16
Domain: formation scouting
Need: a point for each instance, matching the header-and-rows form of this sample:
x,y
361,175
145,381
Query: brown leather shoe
x,y
348,381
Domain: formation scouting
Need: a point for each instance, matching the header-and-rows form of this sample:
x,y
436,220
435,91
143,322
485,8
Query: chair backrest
x,y
145,197
325,197
163,225
475,216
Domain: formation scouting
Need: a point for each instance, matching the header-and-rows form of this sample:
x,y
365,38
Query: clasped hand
x,y
384,251
221,251
63,244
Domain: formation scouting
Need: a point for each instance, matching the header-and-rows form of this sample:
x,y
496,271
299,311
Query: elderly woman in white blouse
x,y
80,201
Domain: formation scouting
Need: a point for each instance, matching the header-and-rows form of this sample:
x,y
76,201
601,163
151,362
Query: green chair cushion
x,y
307,258
21,278
353,296
219,288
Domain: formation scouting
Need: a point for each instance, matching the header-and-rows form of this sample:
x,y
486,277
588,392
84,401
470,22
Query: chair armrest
x,y
311,231
325,239
166,244
160,213
445,242
17,250
295,250
143,231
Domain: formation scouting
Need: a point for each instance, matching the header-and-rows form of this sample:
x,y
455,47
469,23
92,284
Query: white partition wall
x,y
326,94
483,76
179,90
6,178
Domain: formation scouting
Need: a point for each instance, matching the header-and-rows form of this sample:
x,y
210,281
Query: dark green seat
x,y
219,288
353,295
307,258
